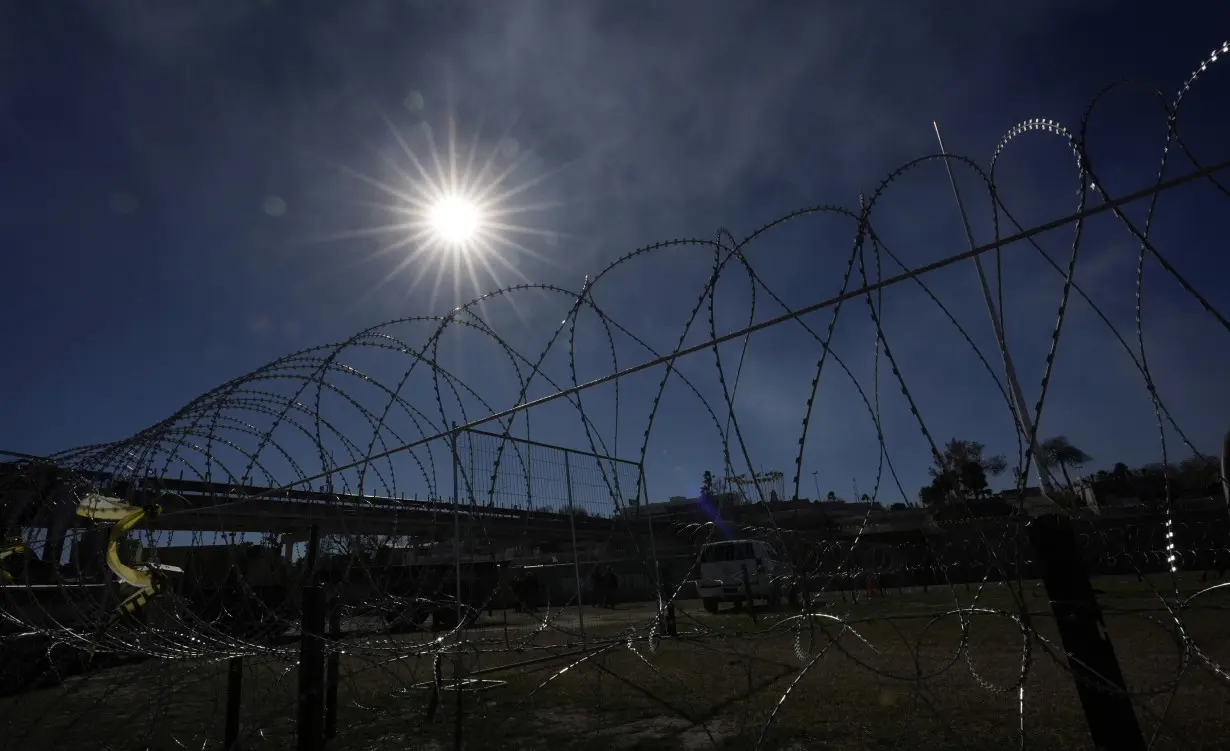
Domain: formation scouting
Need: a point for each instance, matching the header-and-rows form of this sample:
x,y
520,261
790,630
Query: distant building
x,y
845,508
1093,494
677,504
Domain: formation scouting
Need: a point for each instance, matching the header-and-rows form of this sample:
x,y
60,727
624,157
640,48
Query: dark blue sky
x,y
193,189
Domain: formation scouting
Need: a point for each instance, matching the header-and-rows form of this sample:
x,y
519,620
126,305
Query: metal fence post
x,y
672,627
234,687
747,590
311,655
653,547
457,658
1225,469
311,670
312,553
332,671
1099,681
457,519
576,565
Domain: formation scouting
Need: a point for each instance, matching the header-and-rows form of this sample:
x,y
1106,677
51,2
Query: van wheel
x,y
711,604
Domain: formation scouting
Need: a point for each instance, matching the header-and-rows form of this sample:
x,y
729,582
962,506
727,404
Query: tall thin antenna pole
x,y
457,525
1014,386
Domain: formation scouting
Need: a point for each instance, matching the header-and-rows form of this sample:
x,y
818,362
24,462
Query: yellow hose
x,y
126,517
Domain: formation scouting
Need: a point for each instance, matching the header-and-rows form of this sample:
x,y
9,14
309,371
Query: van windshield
x,y
727,551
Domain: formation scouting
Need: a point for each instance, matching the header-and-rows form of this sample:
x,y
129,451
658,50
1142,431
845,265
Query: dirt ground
x,y
898,671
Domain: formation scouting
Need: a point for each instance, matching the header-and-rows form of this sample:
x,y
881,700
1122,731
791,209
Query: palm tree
x,y
1059,451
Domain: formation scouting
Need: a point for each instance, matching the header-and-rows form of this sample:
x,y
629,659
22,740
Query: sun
x,y
469,215
455,220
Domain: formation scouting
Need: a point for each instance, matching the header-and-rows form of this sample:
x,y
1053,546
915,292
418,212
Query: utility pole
x,y
1014,386
816,479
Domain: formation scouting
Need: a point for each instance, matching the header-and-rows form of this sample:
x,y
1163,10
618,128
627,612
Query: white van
x,y
721,573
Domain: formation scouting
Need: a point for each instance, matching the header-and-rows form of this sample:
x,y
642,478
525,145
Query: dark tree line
x,y
963,470
1193,476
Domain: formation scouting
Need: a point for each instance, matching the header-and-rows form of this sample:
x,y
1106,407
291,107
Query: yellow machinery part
x,y
10,547
125,517
141,579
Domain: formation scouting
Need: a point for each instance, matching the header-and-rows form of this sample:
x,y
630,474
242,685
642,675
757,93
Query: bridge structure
x,y
189,505
39,494
291,514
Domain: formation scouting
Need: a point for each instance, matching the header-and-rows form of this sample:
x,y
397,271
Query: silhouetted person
x,y
528,594
517,585
611,584
598,581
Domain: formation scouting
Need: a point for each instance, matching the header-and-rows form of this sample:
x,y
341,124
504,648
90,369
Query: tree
x,y
831,497
937,492
958,452
974,479
866,498
706,485
354,547
1059,451
1019,480
1199,474
961,468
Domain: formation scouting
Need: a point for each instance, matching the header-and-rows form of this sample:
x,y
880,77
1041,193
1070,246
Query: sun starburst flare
x,y
452,211
456,220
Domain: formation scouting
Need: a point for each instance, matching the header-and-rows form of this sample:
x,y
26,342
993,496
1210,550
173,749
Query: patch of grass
x,y
897,673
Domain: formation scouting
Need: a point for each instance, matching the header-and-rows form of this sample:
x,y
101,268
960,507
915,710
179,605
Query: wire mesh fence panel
x,y
578,566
